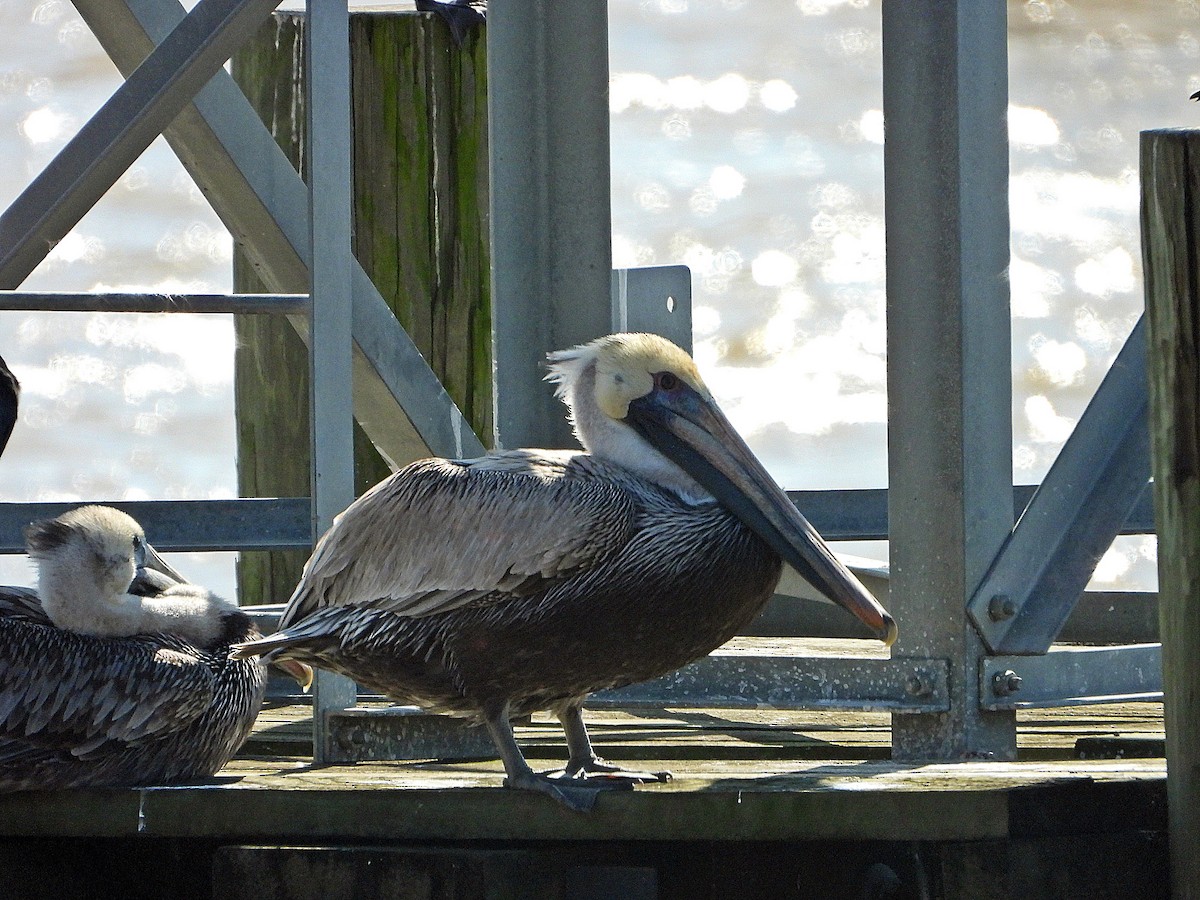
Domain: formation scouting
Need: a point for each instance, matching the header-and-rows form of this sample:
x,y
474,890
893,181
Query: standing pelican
x,y
527,579
103,687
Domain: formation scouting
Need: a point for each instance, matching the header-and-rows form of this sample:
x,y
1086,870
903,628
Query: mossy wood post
x,y
420,232
1171,259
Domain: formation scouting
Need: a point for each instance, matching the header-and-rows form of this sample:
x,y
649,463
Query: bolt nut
x,y
1001,607
917,685
1005,683
353,738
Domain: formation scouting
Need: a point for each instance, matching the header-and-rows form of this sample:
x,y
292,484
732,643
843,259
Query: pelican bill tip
x,y
891,631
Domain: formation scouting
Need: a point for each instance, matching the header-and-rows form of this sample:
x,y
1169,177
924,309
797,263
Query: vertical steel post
x,y
550,206
945,98
327,69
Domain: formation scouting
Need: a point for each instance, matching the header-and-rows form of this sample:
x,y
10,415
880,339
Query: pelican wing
x,y
22,602
440,534
67,690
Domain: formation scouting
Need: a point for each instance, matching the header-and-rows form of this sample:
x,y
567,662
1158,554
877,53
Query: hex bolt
x,y
351,739
1001,607
917,685
1005,683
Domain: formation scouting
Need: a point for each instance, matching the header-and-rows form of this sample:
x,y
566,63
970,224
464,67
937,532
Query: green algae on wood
x,y
1170,215
420,231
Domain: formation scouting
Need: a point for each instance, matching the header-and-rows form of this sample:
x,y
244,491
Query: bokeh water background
x,y
746,142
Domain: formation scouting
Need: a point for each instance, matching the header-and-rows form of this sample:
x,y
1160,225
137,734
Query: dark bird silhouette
x,y
460,15
10,392
527,579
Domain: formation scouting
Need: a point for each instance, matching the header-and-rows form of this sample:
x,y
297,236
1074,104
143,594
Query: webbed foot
x,y
574,793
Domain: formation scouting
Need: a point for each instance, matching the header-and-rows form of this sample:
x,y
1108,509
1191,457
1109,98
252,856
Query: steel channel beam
x,y
719,681
550,206
945,99
232,157
403,732
327,52
187,525
1068,676
737,681
245,304
125,125
1085,498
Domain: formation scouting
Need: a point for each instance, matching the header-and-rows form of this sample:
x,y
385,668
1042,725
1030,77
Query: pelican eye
x,y
666,381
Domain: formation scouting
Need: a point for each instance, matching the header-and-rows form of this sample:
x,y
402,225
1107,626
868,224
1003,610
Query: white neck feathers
x,y
609,439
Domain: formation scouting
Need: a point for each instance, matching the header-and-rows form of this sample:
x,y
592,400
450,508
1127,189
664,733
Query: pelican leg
x,y
583,763
570,792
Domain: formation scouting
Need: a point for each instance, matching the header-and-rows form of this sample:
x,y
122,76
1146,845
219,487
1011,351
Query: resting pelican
x,y
103,687
527,579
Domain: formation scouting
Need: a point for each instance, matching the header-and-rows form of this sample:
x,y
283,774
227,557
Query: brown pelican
x,y
527,579
102,687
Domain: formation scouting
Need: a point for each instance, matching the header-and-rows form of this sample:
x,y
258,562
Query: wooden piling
x,y
1170,173
420,232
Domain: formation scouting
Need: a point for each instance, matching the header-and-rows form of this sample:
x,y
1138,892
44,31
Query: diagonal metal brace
x,y
1099,476
232,157
122,129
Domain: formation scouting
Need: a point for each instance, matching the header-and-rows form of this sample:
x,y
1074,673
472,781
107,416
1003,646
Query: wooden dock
x,y
785,803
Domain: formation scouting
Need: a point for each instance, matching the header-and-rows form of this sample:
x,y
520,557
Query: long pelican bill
x,y
692,432
147,557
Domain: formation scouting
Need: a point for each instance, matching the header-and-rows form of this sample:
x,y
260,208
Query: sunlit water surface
x,y
747,142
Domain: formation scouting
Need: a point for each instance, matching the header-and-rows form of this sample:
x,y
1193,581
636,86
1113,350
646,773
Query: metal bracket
x,y
656,299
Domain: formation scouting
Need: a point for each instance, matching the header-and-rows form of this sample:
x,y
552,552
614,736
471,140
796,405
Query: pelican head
x,y
92,549
87,560
638,400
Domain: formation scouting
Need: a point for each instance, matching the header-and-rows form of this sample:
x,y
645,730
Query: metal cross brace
x,y
232,157
127,123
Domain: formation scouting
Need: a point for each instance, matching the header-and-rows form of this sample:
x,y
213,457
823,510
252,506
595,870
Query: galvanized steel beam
x,y
1068,676
550,206
720,681
737,681
945,99
403,732
281,523
246,304
328,159
1100,473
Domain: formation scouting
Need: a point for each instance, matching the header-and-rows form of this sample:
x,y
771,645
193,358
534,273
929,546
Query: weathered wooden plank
x,y
1170,163
711,800
420,227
